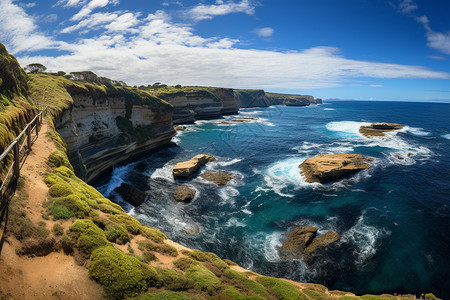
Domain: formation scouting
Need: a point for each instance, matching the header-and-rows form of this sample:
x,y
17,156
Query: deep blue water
x,y
394,218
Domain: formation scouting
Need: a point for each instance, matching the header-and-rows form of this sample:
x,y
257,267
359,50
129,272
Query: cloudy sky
x,y
348,49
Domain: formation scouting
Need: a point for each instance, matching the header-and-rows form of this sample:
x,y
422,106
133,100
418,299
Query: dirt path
x,y
55,276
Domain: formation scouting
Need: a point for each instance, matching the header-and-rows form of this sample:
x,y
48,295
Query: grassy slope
x,y
161,92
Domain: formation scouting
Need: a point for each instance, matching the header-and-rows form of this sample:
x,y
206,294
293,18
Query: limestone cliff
x,y
196,103
260,98
105,125
251,98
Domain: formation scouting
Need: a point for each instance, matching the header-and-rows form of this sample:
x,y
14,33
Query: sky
x,y
347,49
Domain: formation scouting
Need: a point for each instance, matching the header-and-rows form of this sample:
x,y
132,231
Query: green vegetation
x,y
282,289
232,293
117,233
183,263
209,257
87,236
121,275
58,229
256,287
153,234
58,159
162,248
131,224
169,295
203,277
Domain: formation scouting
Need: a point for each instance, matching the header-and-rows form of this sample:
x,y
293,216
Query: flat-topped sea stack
x,y
184,170
184,194
329,167
303,242
378,129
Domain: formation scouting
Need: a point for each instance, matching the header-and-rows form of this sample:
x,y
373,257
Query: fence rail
x,y
19,148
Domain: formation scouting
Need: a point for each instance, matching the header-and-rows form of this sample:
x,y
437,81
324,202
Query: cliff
x,y
196,103
260,98
103,125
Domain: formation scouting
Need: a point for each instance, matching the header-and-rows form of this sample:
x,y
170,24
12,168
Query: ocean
x,y
393,218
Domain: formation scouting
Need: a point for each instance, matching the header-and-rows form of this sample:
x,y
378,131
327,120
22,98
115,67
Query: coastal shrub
x,y
203,277
59,211
87,236
92,203
74,204
169,295
232,293
121,275
117,233
208,256
348,298
131,224
256,287
59,158
174,281
109,209
66,244
282,289
374,297
162,248
58,229
183,263
148,256
59,190
153,234
314,294
103,200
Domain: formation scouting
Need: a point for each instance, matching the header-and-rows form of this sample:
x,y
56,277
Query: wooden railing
x,y
19,148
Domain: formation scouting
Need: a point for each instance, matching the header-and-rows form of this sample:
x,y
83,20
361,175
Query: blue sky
x,y
349,49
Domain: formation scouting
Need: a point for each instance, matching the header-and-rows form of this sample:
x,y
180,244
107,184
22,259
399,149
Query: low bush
x,y
131,224
282,289
153,234
87,236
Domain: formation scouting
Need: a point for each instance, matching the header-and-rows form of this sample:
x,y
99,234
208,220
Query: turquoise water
x,y
393,218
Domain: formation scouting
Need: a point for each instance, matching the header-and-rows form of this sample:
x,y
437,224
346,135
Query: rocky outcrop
x,y
329,167
185,169
106,126
378,129
184,194
251,98
229,103
179,128
219,178
131,194
302,242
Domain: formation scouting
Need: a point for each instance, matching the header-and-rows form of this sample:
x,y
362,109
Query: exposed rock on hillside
x,y
184,170
184,193
104,125
131,194
251,98
302,242
378,129
219,178
328,167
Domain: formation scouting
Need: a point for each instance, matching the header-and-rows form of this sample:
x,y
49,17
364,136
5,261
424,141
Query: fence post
x,y
29,137
16,159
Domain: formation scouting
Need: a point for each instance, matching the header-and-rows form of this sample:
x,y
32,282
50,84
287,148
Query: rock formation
x,y
184,193
378,129
131,194
179,128
302,242
219,178
184,170
328,167
107,125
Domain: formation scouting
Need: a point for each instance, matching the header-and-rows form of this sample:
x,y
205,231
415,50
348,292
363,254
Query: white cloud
x,y
203,12
87,9
19,31
172,53
265,32
70,3
437,57
407,6
435,40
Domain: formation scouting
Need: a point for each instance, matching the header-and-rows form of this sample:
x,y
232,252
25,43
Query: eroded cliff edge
x,y
105,124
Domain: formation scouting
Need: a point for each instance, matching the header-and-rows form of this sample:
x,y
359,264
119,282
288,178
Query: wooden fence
x,y
18,151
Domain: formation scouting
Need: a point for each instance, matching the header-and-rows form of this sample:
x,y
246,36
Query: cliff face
x,y
251,98
105,126
196,103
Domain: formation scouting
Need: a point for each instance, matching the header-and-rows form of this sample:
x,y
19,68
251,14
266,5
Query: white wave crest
x,y
446,136
117,178
417,131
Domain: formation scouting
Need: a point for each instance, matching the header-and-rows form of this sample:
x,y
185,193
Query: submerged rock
x,y
184,193
378,129
219,178
328,167
192,229
131,194
302,242
184,170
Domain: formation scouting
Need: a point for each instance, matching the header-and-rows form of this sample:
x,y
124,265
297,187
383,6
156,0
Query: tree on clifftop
x,y
35,68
